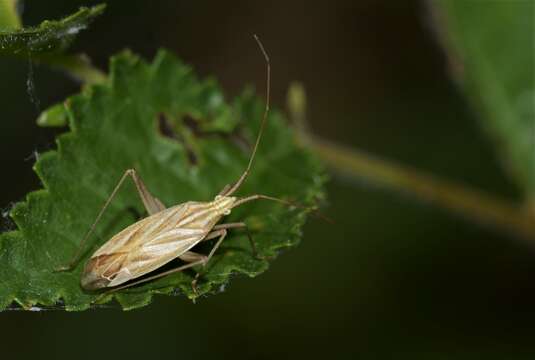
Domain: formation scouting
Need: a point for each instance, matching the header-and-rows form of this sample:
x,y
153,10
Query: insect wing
x,y
148,244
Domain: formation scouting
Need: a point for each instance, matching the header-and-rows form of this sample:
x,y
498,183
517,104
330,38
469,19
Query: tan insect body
x,y
153,242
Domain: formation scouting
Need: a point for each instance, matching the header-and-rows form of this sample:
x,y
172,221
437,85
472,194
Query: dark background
x,y
393,278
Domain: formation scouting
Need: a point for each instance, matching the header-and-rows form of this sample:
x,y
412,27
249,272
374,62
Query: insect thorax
x,y
224,204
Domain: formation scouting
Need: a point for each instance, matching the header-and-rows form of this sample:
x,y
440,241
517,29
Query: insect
x,y
167,233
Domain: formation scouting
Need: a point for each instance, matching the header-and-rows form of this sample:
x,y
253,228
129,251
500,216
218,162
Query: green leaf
x,y
9,19
54,116
118,125
49,36
491,48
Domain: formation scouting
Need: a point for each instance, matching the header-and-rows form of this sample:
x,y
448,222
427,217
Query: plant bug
x,y
167,233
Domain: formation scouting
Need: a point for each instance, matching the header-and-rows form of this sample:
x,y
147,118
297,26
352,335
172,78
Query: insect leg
x,y
249,237
157,276
190,256
152,204
221,233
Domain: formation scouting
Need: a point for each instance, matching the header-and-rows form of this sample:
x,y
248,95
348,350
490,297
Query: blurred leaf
x,y
491,50
49,36
116,126
9,19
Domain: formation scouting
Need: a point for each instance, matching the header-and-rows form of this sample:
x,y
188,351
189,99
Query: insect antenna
x,y
229,191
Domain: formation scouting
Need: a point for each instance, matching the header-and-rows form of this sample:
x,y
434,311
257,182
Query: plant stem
x,y
469,203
